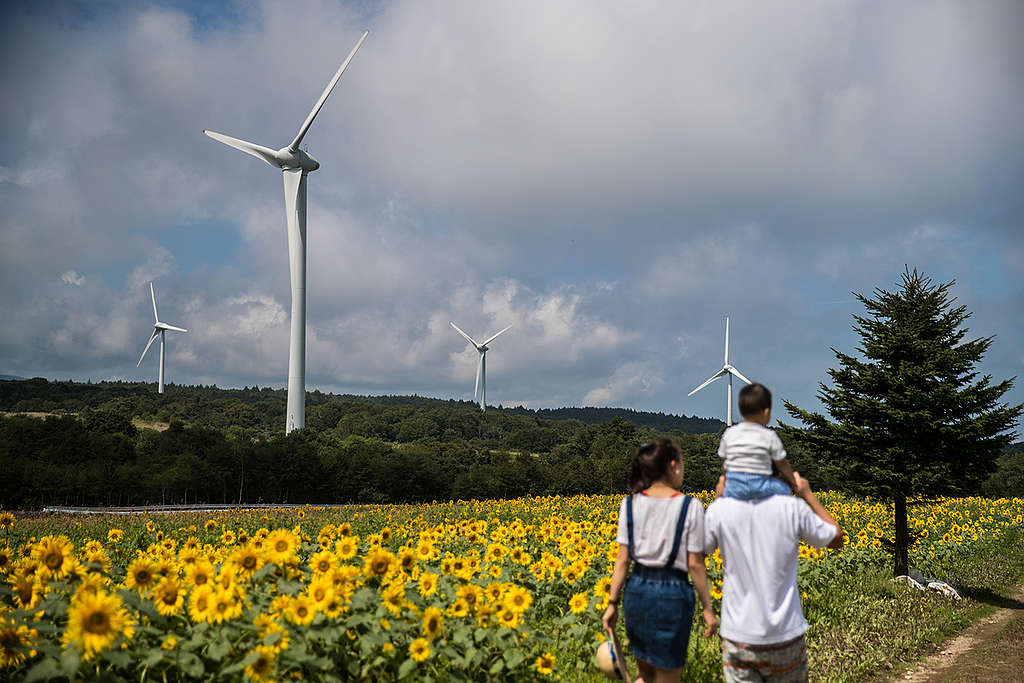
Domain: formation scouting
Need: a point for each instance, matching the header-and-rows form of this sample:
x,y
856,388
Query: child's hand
x,y
720,486
712,621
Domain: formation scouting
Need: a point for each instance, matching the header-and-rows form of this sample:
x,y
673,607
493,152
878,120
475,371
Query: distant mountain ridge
x,y
39,394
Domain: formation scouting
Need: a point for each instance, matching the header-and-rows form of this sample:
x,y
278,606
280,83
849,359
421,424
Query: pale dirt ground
x,y
991,650
141,424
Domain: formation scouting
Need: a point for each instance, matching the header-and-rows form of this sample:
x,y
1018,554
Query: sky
x,y
612,179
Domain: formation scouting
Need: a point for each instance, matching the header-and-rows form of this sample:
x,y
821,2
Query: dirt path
x,y
990,650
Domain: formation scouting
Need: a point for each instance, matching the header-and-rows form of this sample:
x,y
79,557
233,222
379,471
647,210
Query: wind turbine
x,y
481,368
726,371
158,331
296,164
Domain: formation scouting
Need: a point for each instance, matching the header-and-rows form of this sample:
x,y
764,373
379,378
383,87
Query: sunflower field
x,y
467,590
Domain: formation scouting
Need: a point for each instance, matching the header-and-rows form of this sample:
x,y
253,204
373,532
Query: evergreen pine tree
x,y
911,420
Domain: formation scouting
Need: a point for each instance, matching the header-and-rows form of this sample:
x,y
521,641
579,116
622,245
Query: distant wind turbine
x,y
296,164
481,367
726,371
158,331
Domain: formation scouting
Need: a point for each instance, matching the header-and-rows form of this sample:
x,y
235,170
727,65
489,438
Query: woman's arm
x,y
699,576
611,614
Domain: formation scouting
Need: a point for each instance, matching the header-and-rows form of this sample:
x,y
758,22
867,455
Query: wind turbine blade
x,y
468,338
152,294
479,366
259,151
156,333
737,373
721,373
496,336
727,341
323,97
181,329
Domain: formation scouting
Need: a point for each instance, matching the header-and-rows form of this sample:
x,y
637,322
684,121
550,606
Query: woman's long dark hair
x,y
650,462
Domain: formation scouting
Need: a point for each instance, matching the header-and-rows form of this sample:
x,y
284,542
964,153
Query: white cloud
x,y
71,277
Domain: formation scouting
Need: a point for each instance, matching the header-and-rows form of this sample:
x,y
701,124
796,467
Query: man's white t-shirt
x,y
750,447
759,540
654,528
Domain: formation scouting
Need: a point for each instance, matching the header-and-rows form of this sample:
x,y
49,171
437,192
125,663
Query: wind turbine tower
x,y
158,331
726,371
481,367
296,164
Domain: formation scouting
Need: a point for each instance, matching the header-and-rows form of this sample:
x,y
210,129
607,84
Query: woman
x,y
661,532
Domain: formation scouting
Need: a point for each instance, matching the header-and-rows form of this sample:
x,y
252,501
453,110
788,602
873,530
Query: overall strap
x,y
680,523
629,523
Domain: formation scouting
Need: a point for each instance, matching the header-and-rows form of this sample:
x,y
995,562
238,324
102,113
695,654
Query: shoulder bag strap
x,y
680,524
629,523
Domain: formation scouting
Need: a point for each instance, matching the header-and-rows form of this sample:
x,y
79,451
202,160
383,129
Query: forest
x,y
124,444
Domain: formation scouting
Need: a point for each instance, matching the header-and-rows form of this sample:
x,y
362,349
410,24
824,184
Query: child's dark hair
x,y
650,462
754,399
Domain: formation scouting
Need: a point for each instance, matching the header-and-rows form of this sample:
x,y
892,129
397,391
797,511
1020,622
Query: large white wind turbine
x,y
296,164
158,331
726,371
481,367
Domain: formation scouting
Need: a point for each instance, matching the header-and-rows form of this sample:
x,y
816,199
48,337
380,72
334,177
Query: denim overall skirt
x,y
658,604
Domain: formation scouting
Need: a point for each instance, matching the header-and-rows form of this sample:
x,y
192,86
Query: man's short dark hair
x,y
754,399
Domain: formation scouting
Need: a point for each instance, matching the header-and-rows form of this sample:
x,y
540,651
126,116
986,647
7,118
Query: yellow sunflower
x,y
419,649
210,525
168,596
378,563
545,664
14,641
227,538
507,617
518,599
578,603
428,584
225,606
200,572
393,598
141,574
459,608
6,559
54,556
282,545
323,562
150,526
199,604
6,520
347,547
95,621
433,622
320,591
300,610
247,560
262,668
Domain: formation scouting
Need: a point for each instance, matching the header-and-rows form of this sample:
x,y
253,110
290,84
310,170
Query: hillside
x,y
197,404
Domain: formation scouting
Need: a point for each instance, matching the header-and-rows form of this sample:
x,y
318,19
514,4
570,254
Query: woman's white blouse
x,y
654,524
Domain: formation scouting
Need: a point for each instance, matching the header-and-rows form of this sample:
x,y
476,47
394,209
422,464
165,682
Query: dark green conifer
x,y
910,417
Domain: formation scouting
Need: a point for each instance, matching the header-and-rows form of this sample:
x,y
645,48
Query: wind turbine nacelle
x,y
298,158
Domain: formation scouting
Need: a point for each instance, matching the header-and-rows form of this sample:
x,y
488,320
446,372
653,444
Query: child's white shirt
x,y
750,447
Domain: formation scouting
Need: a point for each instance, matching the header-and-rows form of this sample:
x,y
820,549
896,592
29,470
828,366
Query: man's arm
x,y
803,490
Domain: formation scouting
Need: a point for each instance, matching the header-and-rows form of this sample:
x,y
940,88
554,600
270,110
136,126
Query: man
x,y
763,624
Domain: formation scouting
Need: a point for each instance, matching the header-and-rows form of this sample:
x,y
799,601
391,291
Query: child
x,y
661,533
751,452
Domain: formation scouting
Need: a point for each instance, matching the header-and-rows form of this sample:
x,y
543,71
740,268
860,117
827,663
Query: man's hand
x,y
803,488
712,621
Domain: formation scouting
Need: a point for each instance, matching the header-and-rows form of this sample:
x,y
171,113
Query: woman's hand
x,y
611,616
711,620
